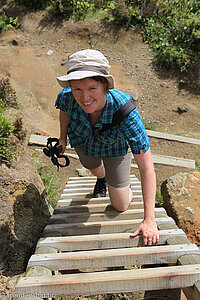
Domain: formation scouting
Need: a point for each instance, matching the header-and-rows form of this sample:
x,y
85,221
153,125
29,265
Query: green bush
x,y
123,14
7,94
68,8
174,33
6,129
7,23
170,27
7,99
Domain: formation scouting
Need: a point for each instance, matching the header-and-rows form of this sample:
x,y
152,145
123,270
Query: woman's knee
x,y
99,171
120,198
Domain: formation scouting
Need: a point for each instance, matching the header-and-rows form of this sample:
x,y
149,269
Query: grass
x,y
197,162
50,181
95,14
181,133
159,198
150,126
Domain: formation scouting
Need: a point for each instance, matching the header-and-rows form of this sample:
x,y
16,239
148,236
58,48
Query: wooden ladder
x,y
86,250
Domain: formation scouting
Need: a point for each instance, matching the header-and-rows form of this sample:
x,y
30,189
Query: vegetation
x,y
48,176
7,99
159,198
170,27
7,23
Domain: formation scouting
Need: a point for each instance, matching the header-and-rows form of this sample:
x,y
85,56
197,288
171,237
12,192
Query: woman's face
x,y
89,94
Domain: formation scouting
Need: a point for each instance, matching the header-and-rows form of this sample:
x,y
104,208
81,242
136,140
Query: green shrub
x,y
68,8
7,99
170,27
6,129
123,14
173,32
7,23
8,96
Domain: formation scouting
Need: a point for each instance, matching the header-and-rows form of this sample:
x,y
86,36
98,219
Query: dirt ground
x,y
24,57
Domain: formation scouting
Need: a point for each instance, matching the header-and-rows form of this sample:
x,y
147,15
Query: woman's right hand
x,y
62,145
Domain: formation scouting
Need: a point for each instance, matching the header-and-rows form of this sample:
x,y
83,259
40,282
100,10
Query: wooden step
x,y
102,207
100,227
103,241
65,200
110,282
95,259
105,216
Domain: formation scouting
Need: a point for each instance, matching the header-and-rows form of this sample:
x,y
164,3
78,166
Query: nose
x,y
85,95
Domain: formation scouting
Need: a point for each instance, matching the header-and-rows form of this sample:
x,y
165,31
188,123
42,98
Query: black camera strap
x,y
53,152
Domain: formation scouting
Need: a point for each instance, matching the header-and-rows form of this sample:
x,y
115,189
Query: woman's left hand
x,y
149,230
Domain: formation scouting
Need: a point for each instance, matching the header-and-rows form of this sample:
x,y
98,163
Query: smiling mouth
x,y
89,103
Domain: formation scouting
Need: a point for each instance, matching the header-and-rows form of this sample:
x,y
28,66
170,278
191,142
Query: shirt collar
x,y
107,114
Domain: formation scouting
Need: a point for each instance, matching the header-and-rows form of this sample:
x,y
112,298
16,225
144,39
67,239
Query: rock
x,y
50,52
182,202
14,42
182,108
83,172
63,62
25,211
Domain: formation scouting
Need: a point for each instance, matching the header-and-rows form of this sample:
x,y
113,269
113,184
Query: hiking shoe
x,y
100,188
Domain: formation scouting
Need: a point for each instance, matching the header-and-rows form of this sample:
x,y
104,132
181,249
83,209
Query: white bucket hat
x,y
86,63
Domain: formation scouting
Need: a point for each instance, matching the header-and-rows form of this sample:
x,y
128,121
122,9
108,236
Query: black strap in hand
x,y
53,152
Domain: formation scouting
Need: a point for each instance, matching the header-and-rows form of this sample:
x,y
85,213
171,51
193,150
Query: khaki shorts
x,y
117,168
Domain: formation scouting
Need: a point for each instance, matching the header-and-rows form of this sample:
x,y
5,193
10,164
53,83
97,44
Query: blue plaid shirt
x,y
112,142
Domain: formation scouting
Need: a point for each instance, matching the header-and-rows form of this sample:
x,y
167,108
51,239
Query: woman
x,y
87,103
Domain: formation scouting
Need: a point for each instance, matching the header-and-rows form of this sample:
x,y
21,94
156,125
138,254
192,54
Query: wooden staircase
x,y
86,250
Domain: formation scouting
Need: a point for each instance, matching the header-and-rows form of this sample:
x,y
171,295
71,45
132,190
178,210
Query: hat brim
x,y
64,80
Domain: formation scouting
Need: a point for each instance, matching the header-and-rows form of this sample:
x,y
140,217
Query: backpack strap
x,y
120,114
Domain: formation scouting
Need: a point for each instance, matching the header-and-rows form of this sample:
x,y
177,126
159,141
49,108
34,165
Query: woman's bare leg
x,y
99,172
120,198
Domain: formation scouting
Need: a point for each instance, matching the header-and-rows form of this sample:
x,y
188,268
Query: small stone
x,y
14,42
50,52
182,108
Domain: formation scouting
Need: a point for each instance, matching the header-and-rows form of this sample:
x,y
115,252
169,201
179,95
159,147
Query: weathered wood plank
x,y
91,178
102,241
91,182
105,216
112,257
111,282
100,227
78,201
75,189
133,181
83,194
173,161
93,208
192,293
172,137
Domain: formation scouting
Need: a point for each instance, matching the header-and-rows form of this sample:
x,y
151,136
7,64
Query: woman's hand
x,y
149,230
62,145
